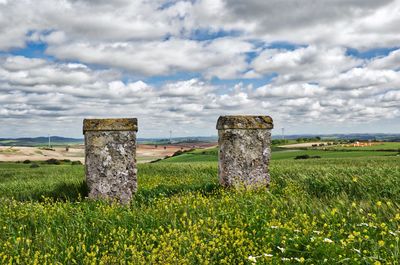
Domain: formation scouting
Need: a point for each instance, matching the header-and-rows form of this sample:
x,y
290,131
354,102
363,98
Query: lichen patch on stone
x,y
126,124
244,122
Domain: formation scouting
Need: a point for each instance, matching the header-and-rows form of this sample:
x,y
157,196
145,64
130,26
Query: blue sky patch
x,y
285,45
32,50
372,53
209,34
161,80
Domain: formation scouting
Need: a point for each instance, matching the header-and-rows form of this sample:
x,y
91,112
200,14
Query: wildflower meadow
x,y
324,211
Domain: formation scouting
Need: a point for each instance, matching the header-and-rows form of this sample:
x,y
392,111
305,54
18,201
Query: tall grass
x,y
328,211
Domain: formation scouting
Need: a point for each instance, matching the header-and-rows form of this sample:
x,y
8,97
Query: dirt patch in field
x,y
21,153
144,153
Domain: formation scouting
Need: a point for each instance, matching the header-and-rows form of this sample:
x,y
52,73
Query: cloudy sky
x,y
314,66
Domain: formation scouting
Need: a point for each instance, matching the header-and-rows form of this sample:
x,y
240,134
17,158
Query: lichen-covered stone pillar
x,y
110,150
244,151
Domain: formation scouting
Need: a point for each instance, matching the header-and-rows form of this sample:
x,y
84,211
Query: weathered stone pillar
x,y
244,150
110,150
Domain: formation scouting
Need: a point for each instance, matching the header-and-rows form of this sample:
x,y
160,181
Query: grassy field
x,y
211,155
328,210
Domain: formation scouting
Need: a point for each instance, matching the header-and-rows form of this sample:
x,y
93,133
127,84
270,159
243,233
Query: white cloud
x,y
189,88
358,78
311,63
290,90
392,61
65,93
17,63
356,23
162,57
94,48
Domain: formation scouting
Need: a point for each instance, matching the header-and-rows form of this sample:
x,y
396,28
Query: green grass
x,y
290,154
211,155
197,155
329,210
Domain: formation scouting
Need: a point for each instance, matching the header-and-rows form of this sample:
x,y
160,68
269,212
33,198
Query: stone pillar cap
x,y
244,122
126,124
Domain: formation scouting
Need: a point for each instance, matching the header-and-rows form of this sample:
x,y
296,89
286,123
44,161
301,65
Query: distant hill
x,y
58,140
39,141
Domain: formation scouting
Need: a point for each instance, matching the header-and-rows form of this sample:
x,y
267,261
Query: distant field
x,y
211,155
145,153
395,146
290,154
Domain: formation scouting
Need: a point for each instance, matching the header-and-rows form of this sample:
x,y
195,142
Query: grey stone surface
x,y
110,149
244,151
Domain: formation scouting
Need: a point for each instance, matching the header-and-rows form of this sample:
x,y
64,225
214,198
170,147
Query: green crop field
x,y
211,154
318,211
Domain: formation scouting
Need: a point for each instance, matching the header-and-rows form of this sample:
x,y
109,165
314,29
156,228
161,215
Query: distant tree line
x,y
308,139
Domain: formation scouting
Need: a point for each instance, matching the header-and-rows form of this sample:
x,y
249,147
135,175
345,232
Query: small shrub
x,y
27,161
66,160
74,163
53,161
306,157
179,152
302,157
47,148
34,165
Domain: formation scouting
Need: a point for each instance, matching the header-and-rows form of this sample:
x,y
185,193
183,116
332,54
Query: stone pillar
x,y
110,151
244,151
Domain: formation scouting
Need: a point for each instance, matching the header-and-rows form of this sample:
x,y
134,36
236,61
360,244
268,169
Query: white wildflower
x,y
252,259
327,240
281,249
357,250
